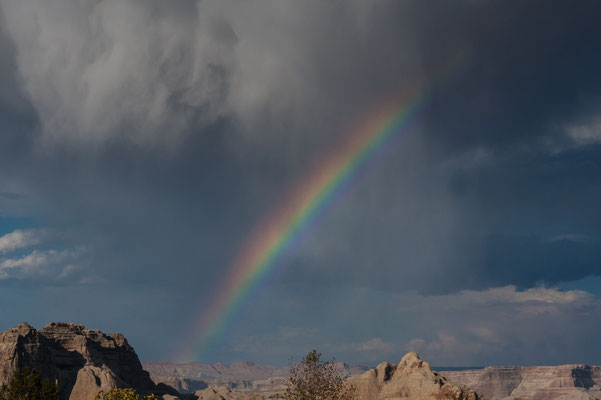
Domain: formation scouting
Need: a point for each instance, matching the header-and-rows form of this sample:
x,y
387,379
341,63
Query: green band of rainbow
x,y
270,241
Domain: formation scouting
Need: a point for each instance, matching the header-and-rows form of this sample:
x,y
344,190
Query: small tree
x,y
27,384
122,394
313,379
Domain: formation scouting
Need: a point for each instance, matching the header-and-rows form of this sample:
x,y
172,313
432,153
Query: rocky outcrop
x,y
411,379
81,361
563,382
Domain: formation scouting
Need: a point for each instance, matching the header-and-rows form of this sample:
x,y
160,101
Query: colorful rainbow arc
x,y
277,235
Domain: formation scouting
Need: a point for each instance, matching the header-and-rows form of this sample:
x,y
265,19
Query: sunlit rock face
x,y
81,361
562,382
412,379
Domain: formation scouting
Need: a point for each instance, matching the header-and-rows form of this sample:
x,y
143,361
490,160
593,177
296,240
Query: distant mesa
x,y
561,382
241,376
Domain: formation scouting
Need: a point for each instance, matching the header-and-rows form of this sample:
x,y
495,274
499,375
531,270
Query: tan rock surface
x,y
411,379
90,380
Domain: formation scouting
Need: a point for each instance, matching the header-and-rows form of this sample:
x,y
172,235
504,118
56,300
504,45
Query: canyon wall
x,y
562,382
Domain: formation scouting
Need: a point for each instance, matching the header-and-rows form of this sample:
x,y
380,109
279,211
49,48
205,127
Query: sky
x,y
143,141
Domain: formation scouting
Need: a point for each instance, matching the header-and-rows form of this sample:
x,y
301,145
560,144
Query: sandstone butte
x,y
412,378
81,361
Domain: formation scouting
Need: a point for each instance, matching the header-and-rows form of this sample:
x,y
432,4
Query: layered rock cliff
x,y
81,361
411,379
562,382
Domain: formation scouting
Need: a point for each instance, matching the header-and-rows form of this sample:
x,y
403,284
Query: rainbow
x,y
276,236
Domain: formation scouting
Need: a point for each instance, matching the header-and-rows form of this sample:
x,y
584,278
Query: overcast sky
x,y
141,142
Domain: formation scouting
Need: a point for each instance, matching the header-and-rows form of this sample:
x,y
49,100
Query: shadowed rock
x,y
81,361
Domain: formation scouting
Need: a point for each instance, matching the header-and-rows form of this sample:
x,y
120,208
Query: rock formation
x,y
563,382
81,361
411,379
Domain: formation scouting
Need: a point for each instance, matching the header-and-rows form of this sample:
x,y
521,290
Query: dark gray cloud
x,y
155,136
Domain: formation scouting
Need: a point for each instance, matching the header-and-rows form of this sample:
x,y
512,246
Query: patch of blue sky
x,y
10,224
591,284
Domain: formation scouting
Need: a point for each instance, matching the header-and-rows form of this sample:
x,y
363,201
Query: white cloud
x,y
40,261
54,264
22,239
509,294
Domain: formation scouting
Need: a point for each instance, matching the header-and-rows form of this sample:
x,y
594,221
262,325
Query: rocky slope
x,y
411,379
563,382
81,361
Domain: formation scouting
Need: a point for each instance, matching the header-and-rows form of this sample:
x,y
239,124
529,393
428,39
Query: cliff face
x,y
81,361
574,382
411,379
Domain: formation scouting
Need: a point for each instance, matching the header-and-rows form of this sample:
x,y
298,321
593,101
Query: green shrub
x,y
313,379
27,384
